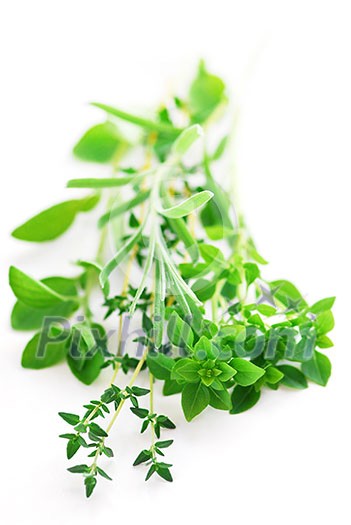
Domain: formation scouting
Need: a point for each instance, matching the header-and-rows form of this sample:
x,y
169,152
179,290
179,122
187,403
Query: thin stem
x,y
130,384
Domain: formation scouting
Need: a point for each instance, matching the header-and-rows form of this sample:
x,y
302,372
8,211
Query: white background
x,y
288,67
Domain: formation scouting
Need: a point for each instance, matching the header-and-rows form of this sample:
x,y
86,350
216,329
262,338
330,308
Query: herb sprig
x,y
212,328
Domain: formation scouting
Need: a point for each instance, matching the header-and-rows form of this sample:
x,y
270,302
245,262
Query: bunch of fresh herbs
x,y
212,328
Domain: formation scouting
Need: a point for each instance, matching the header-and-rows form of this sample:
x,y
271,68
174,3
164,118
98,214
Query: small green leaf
x,y
79,469
247,372
100,143
144,455
323,305
195,398
244,398
90,484
179,332
112,182
206,93
164,444
53,353
165,474
71,419
103,473
90,370
54,221
186,370
324,322
73,445
160,365
288,294
31,292
220,399
171,387
273,375
266,309
186,139
188,206
149,125
318,369
252,271
140,412
293,377
121,209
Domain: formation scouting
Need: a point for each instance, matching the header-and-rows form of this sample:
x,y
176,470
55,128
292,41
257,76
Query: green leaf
x,y
180,229
123,208
165,473
144,455
53,353
206,93
112,182
160,365
212,255
79,469
204,289
324,322
146,124
247,372
54,221
103,473
120,255
101,143
322,305
73,445
227,371
186,139
273,375
186,370
31,292
188,206
24,317
266,309
195,398
252,271
171,387
293,377
71,419
323,341
150,472
220,148
244,398
97,430
90,484
318,369
288,294
140,412
89,371
164,444
179,332
220,399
